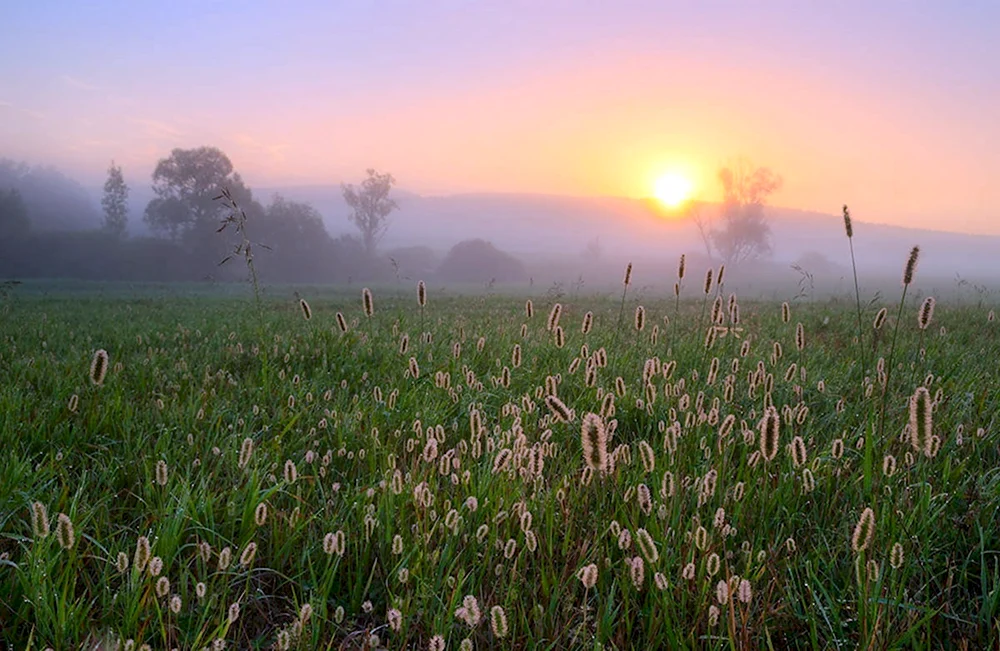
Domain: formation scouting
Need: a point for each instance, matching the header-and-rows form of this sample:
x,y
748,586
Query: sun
x,y
673,189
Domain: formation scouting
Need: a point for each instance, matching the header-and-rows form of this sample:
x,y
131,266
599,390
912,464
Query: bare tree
x,y
743,232
371,207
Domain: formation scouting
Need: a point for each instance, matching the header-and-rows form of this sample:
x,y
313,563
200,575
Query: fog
x,y
523,243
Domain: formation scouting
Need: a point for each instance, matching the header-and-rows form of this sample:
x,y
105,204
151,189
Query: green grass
x,y
192,377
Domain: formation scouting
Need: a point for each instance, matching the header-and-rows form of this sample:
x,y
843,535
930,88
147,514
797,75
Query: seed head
x,y
246,558
708,282
554,315
864,531
880,319
306,310
421,294
341,322
847,222
680,268
926,313
366,302
594,440
39,520
161,472
921,422
498,621
64,531
142,553
628,275
911,265
99,367
640,318
588,576
770,425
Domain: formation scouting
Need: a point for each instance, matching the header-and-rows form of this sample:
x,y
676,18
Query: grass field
x,y
253,479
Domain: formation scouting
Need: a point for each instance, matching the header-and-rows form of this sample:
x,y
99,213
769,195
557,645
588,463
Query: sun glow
x,y
673,189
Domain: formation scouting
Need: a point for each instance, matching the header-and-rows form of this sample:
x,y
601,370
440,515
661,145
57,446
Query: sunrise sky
x,y
891,107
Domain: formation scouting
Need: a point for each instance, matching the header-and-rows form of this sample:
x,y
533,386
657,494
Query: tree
x,y
743,233
371,205
115,201
186,185
14,222
478,261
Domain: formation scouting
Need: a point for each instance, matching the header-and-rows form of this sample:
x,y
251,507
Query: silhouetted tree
x,y
298,246
186,185
743,232
14,223
371,205
115,202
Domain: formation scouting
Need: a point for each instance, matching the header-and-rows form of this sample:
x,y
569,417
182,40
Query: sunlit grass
x,y
389,491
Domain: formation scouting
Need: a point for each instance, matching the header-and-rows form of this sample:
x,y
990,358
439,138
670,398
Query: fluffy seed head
x,y
628,275
366,302
800,336
142,553
421,294
921,421
498,621
864,530
640,318
926,313
246,558
708,282
39,520
161,472
558,408
770,425
880,319
307,312
680,268
911,265
594,440
99,367
64,531
341,322
847,222
588,576
554,315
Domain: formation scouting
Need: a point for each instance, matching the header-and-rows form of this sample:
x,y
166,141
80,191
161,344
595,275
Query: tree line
x,y
184,217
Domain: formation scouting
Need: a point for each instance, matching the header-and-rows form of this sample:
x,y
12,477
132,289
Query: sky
x,y
888,106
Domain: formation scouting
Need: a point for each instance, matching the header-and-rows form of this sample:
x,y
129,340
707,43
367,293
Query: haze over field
x,y
565,135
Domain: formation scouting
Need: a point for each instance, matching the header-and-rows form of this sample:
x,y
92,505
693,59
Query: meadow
x,y
474,472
